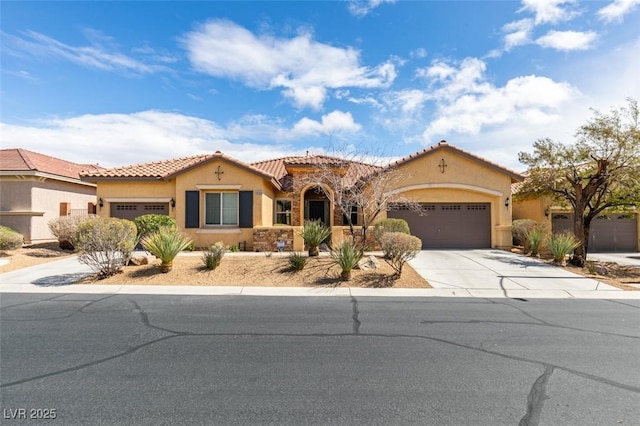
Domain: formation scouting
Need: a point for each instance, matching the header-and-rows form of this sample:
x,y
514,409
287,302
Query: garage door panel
x,y
449,225
612,232
132,210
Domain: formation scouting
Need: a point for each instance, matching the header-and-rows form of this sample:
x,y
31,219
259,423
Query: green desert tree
x,y
599,172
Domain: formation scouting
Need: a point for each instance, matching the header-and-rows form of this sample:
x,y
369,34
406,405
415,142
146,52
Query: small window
x,y
354,217
283,212
221,208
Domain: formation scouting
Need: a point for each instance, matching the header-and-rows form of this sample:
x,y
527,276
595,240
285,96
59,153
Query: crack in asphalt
x,y
356,312
31,303
536,398
144,320
622,303
78,311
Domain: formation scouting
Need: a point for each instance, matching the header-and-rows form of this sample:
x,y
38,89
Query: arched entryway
x,y
317,206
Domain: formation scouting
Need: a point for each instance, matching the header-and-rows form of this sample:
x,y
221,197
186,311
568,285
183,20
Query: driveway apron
x,y
497,270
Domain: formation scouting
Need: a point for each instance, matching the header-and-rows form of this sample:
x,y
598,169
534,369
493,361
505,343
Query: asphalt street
x,y
96,359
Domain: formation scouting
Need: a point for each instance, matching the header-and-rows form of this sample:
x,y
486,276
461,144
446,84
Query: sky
x,y
127,82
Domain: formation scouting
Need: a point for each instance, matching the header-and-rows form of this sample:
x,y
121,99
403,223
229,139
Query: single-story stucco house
x,y
609,232
36,188
466,200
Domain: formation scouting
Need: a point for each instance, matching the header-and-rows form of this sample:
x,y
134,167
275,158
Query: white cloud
x,y
517,33
97,55
467,103
332,123
567,40
549,11
120,139
362,8
616,10
418,53
305,69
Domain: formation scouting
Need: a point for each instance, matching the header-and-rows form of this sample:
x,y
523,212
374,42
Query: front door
x,y
317,211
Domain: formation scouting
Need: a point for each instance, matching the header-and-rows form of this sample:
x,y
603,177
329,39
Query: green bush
x,y
535,238
297,261
519,230
64,228
561,245
10,239
346,256
212,256
105,244
150,223
165,244
399,248
390,225
314,233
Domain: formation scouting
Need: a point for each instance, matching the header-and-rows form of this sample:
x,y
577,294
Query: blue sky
x,y
119,83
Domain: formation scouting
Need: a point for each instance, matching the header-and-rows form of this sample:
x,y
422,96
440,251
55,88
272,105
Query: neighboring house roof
x,y
167,169
443,145
20,160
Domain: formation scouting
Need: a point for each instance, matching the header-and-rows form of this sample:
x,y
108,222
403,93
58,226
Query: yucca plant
x,y
561,245
535,237
297,261
165,244
213,255
314,233
346,256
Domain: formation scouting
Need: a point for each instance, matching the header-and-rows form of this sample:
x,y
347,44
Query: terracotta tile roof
x,y
515,176
167,169
23,160
278,167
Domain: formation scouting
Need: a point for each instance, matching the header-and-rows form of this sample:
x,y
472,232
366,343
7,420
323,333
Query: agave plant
x,y
314,233
561,245
346,256
165,244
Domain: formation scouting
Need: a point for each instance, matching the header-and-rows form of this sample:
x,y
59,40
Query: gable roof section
x,y
20,160
278,167
168,169
444,145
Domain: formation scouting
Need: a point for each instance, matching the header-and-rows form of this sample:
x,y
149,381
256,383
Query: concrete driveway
x,y
497,270
627,259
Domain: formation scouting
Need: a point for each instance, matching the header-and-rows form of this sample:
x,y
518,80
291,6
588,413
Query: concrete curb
x,y
314,291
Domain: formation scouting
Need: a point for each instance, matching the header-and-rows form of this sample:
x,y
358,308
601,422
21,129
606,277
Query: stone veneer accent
x,y
264,239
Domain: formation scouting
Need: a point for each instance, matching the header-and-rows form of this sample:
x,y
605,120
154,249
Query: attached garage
x,y
608,233
448,225
132,210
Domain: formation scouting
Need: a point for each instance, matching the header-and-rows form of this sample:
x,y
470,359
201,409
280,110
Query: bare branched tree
x,y
359,191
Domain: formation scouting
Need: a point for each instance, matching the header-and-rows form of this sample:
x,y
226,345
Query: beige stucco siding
x,y
134,191
464,181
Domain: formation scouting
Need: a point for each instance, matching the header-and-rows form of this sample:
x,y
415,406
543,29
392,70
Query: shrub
x,y
390,225
165,244
297,261
105,244
150,223
346,256
399,248
234,248
535,238
314,233
561,245
10,239
64,228
519,230
212,256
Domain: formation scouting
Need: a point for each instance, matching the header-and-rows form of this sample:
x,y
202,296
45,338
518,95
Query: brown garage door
x,y
611,232
132,210
448,226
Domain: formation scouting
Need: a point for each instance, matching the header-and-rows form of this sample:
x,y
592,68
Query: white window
x,y
283,212
221,208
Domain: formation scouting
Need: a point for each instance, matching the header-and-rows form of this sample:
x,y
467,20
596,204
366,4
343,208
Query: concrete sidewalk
x,y
58,277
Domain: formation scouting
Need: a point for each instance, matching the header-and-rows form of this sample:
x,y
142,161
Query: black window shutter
x,y
246,209
192,210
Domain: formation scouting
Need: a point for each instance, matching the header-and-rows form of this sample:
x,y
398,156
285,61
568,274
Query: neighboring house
x,y
35,188
609,232
465,200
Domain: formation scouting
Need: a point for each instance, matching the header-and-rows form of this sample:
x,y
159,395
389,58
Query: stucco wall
x,y
28,204
463,180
